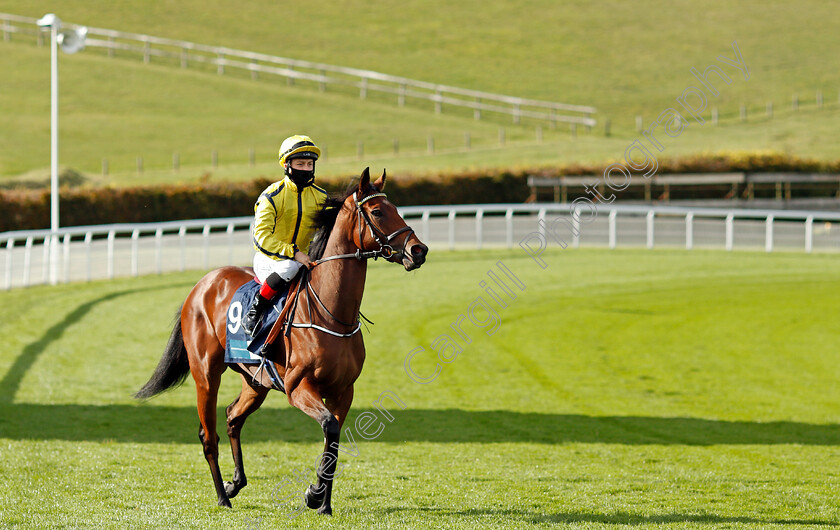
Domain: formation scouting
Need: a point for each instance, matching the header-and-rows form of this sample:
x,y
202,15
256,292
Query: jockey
x,y
282,224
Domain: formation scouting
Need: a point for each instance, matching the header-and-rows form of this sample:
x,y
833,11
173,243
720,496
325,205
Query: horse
x,y
318,361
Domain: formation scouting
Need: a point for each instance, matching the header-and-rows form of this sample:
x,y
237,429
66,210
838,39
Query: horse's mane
x,y
324,220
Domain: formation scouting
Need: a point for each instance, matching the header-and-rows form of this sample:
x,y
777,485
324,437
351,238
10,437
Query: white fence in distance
x,y
109,251
184,53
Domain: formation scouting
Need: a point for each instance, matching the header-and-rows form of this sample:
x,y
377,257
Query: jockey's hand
x,y
303,258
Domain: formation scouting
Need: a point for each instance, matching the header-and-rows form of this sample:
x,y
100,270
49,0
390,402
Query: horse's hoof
x,y
225,503
231,489
325,510
312,500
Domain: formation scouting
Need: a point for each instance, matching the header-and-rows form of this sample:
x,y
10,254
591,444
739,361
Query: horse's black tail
x,y
172,368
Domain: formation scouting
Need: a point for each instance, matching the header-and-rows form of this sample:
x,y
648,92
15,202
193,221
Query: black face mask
x,y
300,177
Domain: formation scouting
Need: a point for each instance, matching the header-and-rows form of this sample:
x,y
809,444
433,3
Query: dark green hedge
x,y
30,209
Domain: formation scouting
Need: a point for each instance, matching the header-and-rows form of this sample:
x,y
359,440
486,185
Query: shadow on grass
x,y
631,519
634,519
619,518
152,424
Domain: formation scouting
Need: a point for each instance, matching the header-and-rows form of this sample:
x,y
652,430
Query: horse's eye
x,y
376,213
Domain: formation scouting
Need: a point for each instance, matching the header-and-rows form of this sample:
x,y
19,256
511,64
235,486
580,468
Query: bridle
x,y
385,250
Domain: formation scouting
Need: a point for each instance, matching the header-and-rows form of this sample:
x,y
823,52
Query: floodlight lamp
x,y
49,20
72,40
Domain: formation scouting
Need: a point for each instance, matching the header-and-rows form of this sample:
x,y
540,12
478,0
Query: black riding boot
x,y
252,317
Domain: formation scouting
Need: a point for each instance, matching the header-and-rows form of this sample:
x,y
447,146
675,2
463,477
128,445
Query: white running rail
x,y
101,252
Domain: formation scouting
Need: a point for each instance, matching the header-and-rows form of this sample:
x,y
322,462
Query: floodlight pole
x,y
54,27
72,40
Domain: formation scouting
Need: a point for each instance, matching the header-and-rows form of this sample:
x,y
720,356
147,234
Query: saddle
x,y
239,346
254,355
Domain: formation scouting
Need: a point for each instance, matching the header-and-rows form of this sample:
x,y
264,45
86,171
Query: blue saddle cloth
x,y
239,346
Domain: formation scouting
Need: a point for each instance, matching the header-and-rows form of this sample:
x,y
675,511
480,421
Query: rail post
x,y
88,272
730,232
809,234
768,234
689,230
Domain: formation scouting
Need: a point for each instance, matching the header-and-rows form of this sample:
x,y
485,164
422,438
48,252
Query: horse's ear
x,y
364,181
380,182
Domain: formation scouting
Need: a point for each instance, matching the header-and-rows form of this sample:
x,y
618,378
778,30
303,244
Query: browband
x,y
369,197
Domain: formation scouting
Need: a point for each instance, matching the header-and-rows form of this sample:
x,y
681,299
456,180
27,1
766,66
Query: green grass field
x,y
625,59
622,389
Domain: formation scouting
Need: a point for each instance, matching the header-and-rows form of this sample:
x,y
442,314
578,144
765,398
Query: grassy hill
x,y
624,58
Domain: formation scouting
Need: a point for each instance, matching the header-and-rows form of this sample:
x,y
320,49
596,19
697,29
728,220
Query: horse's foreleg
x,y
207,388
237,412
329,461
307,398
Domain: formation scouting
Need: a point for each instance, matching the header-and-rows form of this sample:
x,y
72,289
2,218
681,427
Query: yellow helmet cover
x,y
298,146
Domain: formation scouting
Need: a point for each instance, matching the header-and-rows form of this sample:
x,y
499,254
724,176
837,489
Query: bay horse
x,y
317,361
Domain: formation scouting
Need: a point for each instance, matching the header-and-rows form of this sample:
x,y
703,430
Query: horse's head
x,y
380,228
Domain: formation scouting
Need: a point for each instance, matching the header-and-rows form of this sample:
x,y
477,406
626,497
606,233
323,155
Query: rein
x,y
385,251
310,293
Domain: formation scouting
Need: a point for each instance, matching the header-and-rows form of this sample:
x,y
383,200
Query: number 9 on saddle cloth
x,y
239,346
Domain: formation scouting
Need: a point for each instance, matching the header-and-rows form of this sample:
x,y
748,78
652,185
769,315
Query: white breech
x,y
285,268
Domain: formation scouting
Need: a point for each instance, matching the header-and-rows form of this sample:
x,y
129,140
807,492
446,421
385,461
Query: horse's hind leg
x,y
248,401
207,390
